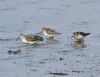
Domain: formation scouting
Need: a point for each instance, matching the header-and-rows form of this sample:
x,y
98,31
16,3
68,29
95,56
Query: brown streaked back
x,y
34,38
84,34
81,33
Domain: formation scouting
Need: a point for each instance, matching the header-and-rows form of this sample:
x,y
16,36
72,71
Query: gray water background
x,y
59,55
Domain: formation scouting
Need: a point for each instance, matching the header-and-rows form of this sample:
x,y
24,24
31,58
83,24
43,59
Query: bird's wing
x,y
30,38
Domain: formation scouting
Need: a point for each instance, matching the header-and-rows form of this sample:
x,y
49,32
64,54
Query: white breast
x,y
79,37
45,33
25,41
49,35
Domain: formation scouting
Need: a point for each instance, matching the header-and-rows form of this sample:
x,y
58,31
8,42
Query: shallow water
x,y
50,58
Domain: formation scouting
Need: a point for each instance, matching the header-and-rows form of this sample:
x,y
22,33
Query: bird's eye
x,y
74,33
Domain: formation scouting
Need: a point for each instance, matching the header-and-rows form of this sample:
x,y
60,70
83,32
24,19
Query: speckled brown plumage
x,y
30,38
81,33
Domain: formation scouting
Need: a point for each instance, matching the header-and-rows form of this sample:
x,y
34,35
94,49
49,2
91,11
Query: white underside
x,y
79,37
49,35
25,41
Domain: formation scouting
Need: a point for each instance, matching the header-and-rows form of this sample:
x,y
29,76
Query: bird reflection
x,y
38,44
78,44
51,41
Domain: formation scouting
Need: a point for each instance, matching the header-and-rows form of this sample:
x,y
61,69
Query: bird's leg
x,y
51,37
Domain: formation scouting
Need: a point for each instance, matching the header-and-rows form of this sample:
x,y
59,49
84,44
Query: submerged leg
x,y
81,40
51,37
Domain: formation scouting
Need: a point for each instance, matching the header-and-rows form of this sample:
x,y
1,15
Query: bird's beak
x,y
18,38
72,36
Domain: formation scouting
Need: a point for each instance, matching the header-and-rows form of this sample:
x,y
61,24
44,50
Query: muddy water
x,y
52,58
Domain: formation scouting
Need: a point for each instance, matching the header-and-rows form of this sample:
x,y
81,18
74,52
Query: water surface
x,y
51,58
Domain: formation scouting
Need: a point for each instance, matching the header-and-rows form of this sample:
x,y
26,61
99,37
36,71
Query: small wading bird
x,y
30,38
79,36
50,33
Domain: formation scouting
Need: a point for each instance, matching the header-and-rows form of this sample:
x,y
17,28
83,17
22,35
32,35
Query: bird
x,y
30,38
79,36
50,33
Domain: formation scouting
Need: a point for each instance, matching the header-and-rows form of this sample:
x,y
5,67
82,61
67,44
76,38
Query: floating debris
x,y
76,71
41,62
9,52
14,52
58,73
61,59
